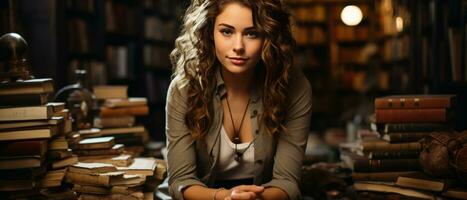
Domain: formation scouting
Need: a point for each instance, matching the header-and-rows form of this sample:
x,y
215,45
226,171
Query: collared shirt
x,y
278,158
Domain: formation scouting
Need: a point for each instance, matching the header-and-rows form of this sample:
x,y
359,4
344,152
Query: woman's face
x,y
237,42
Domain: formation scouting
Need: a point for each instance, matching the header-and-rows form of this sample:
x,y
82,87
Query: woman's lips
x,y
238,61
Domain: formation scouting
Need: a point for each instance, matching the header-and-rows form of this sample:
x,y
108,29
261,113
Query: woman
x,y
237,113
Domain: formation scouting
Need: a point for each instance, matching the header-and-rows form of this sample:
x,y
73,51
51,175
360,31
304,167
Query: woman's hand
x,y
245,192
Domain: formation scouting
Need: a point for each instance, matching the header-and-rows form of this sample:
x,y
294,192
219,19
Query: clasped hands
x,y
242,192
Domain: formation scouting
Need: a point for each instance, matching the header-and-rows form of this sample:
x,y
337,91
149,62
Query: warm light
x,y
399,24
351,15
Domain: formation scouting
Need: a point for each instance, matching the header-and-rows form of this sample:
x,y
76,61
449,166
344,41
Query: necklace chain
x,y
236,138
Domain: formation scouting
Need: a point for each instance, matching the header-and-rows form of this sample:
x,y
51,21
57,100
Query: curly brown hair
x,y
195,63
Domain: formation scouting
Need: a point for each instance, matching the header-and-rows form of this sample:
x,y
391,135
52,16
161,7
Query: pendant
x,y
238,156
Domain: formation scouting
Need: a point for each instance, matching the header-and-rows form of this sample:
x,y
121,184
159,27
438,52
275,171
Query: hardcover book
x,y
415,101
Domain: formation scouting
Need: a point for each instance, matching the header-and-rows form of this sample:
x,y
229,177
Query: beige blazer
x,y
278,159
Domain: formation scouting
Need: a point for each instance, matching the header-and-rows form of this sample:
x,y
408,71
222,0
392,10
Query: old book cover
x,y
117,160
23,173
381,165
32,86
144,166
93,179
11,185
29,133
415,101
413,127
386,188
24,99
122,130
117,149
88,189
422,181
18,125
388,176
124,111
58,143
403,137
381,145
23,148
111,91
53,178
458,193
18,162
412,115
393,154
132,101
97,143
135,196
112,122
26,113
59,154
91,168
65,162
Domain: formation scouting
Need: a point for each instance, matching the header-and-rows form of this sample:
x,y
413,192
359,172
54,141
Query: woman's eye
x,y
226,32
252,35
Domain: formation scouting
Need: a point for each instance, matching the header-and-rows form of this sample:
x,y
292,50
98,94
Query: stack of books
x,y
34,153
107,181
389,162
117,114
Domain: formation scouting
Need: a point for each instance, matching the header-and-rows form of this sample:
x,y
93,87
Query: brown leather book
x,y
458,193
422,181
116,149
24,99
381,145
23,148
415,101
378,176
124,111
412,115
405,137
381,165
32,86
26,113
97,143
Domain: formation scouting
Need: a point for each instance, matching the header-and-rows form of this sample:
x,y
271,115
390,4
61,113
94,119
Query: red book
x,y
23,148
415,101
411,115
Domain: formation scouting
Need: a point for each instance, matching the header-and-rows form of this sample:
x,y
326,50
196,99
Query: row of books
x,y
387,158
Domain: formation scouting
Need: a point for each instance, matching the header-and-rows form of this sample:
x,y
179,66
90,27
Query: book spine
x,y
415,127
23,148
394,154
127,111
378,176
411,115
381,165
24,100
413,102
25,113
96,152
405,137
86,179
384,146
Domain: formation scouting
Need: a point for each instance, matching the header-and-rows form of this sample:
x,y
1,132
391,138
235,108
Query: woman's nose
x,y
239,46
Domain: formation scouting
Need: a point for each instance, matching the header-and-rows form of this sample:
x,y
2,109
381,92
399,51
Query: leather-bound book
x,y
23,148
412,115
415,101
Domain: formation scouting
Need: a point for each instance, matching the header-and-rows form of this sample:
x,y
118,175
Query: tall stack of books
x,y
381,163
33,151
117,117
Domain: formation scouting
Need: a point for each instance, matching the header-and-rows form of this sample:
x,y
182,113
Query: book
x,y
23,148
10,185
123,111
35,123
413,127
117,160
111,92
24,99
132,101
415,101
380,165
106,190
381,145
31,86
122,130
387,176
23,173
91,168
65,162
59,154
58,143
393,154
104,179
111,122
135,196
57,106
115,150
26,113
422,181
386,188
405,137
37,133
143,166
458,193
18,162
53,178
412,115
96,143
